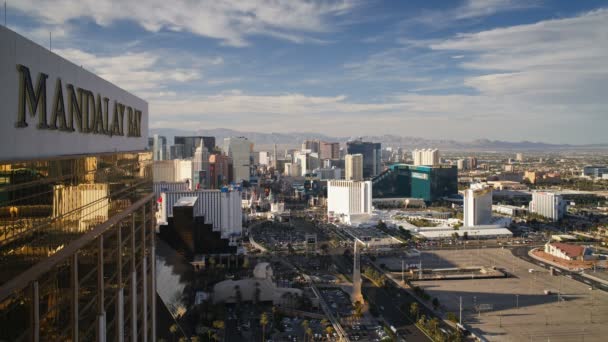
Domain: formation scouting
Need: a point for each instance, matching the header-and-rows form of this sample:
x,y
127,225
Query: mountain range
x,y
294,140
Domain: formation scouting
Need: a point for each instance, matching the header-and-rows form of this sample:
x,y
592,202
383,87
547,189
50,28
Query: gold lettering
x,y
98,117
35,99
121,110
74,109
106,121
58,109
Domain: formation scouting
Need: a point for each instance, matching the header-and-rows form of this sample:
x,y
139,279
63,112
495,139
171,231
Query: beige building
x,y
260,286
353,167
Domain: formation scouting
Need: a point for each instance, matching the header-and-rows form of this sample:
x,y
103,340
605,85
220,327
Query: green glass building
x,y
429,183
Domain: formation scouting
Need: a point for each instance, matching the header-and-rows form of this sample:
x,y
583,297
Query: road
x,y
391,299
522,253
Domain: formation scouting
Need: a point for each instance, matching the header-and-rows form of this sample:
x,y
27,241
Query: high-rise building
x,y
240,150
160,147
426,157
548,204
200,167
429,183
519,157
477,205
353,167
192,142
264,158
220,171
177,151
312,145
329,150
348,199
372,156
77,248
293,170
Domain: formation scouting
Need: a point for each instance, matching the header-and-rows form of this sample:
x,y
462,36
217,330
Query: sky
x,y
510,70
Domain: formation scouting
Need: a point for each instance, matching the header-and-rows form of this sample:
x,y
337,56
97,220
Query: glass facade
x,y
427,182
77,248
372,156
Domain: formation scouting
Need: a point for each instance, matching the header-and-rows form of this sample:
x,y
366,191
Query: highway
x,y
389,302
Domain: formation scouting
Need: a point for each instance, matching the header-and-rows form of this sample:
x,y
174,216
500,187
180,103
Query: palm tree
x,y
173,330
329,330
305,324
414,310
434,324
219,325
324,322
263,323
309,333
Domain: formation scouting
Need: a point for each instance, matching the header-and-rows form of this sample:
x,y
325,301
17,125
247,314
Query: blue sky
x,y
463,70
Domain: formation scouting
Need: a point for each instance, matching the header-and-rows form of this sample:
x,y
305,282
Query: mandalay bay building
x,y
76,206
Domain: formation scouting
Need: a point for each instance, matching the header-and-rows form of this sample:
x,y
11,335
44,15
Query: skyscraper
x,y
200,167
372,156
426,157
190,144
239,149
77,247
353,169
477,205
329,150
160,147
548,204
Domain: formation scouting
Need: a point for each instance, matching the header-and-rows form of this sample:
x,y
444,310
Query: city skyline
x,y
503,70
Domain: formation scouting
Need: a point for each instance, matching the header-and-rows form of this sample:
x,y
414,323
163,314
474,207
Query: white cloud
x,y
229,21
481,8
562,60
143,73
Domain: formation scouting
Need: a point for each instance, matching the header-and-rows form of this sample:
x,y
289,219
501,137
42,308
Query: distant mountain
x,y
294,139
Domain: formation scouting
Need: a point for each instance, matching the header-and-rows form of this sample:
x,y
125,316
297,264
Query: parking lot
x,y
517,308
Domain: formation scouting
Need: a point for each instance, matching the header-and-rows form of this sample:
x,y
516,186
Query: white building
x,y
220,208
176,170
240,150
567,251
428,157
548,204
159,147
477,205
353,167
348,198
510,210
264,158
519,157
293,170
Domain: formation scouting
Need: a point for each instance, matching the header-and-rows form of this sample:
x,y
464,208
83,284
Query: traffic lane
x,y
522,253
391,312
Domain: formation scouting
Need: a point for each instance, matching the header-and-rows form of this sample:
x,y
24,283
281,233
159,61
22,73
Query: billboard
x,y
52,107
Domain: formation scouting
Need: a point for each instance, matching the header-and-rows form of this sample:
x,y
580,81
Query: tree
x,y
465,235
435,303
173,330
309,333
324,322
452,317
434,324
414,310
305,324
329,330
264,323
